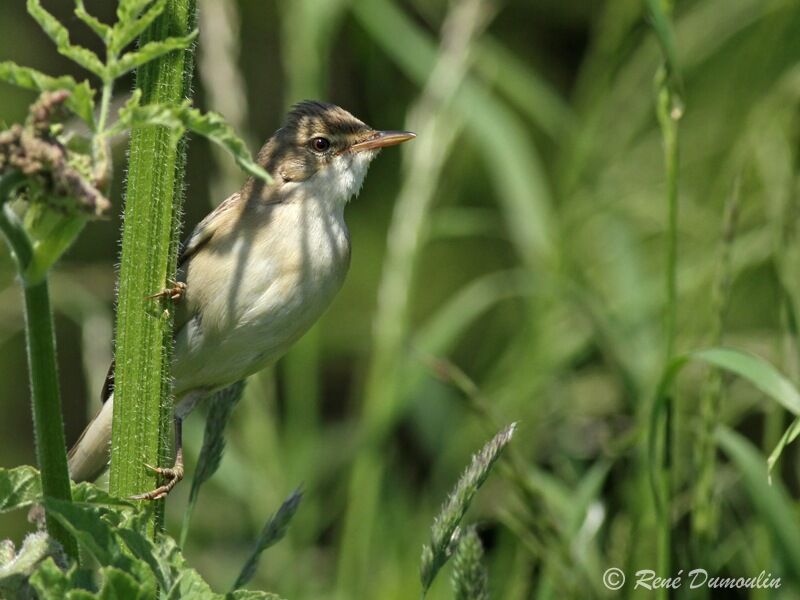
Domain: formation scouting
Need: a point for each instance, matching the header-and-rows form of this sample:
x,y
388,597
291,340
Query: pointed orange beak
x,y
383,139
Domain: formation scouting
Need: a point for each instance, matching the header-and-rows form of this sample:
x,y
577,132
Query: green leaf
x,y
19,487
129,10
757,371
102,30
119,585
130,24
662,25
91,494
787,438
772,503
86,524
50,582
179,118
150,51
60,36
81,94
272,533
212,126
753,368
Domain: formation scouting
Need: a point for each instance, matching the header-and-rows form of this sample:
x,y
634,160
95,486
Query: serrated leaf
x,y
145,550
102,30
190,584
213,126
129,10
19,487
131,24
91,494
119,585
179,118
150,51
60,36
85,523
271,534
80,102
50,582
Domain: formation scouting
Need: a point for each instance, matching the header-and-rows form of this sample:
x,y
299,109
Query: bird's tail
x,y
89,457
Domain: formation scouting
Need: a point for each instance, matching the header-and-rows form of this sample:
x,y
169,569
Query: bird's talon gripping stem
x,y
175,292
173,475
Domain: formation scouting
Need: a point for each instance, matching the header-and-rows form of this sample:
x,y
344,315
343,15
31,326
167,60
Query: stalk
x,y
48,424
669,110
704,518
669,132
142,404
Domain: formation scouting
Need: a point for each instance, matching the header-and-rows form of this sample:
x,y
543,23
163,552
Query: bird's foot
x,y
173,476
175,292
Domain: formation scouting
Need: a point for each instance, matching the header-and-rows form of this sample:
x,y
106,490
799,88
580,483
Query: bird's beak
x,y
382,139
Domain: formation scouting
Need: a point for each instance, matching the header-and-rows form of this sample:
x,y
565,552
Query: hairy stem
x,y
142,406
48,424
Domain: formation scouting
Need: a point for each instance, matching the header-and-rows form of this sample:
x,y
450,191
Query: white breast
x,y
286,275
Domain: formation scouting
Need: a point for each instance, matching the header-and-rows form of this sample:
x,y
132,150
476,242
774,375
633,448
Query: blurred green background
x,y
526,242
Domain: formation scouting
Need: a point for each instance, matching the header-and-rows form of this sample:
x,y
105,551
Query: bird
x,y
257,272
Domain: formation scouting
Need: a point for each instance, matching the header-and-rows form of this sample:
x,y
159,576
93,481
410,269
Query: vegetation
x,y
594,235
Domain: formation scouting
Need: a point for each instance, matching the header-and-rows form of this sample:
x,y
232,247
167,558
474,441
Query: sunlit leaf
x,y
150,51
184,117
60,36
81,94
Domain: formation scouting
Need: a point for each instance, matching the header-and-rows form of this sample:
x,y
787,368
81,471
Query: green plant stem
x,y
669,132
47,419
48,424
142,406
105,103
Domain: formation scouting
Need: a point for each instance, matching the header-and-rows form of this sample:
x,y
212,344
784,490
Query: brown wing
x,y
205,230
199,238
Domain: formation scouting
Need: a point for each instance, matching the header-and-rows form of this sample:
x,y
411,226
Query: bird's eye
x,y
320,144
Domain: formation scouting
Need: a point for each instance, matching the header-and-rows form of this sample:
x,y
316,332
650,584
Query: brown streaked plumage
x,y
260,269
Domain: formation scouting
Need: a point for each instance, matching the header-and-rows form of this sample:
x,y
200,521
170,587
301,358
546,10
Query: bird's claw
x,y
173,476
175,292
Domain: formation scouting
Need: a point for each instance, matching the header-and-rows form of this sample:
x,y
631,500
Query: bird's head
x,y
324,150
